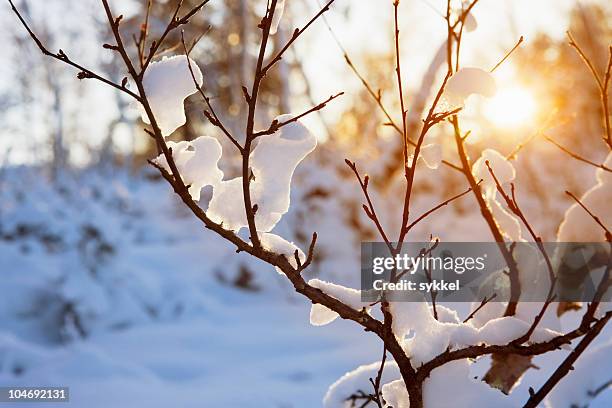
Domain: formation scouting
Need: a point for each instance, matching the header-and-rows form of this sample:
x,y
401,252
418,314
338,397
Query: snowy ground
x,y
129,267
203,342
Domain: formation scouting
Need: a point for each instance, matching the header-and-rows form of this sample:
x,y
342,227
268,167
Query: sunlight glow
x,y
511,107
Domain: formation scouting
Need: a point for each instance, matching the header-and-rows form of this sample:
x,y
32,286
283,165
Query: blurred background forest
x,y
53,121
92,242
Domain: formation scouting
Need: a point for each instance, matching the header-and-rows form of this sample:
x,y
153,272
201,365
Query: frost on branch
x,y
321,315
468,81
273,162
197,162
577,225
167,84
278,14
279,245
505,173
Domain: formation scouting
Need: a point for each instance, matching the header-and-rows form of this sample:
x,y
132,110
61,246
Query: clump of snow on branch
x,y
279,245
273,162
498,283
502,168
577,225
395,394
469,24
430,337
455,380
509,225
423,338
505,173
431,155
468,81
278,14
167,83
321,315
358,379
197,162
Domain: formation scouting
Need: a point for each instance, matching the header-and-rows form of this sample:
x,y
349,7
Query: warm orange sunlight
x,y
408,203
511,107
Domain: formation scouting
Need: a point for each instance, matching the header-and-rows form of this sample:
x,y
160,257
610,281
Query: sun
x,y
511,107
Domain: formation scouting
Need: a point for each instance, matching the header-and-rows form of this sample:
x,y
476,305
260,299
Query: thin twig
x,y
431,119
595,218
585,59
369,209
296,34
144,32
376,382
485,300
532,349
212,115
276,125
545,125
513,205
61,56
437,207
376,95
575,155
594,393
174,23
398,73
567,365
507,54
602,83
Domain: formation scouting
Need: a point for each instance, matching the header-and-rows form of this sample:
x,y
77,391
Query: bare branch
x,y
485,300
376,382
507,54
275,125
593,216
437,207
61,56
369,209
565,367
310,255
398,73
576,156
513,205
296,34
410,170
603,84
214,119
527,350
585,59
174,23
